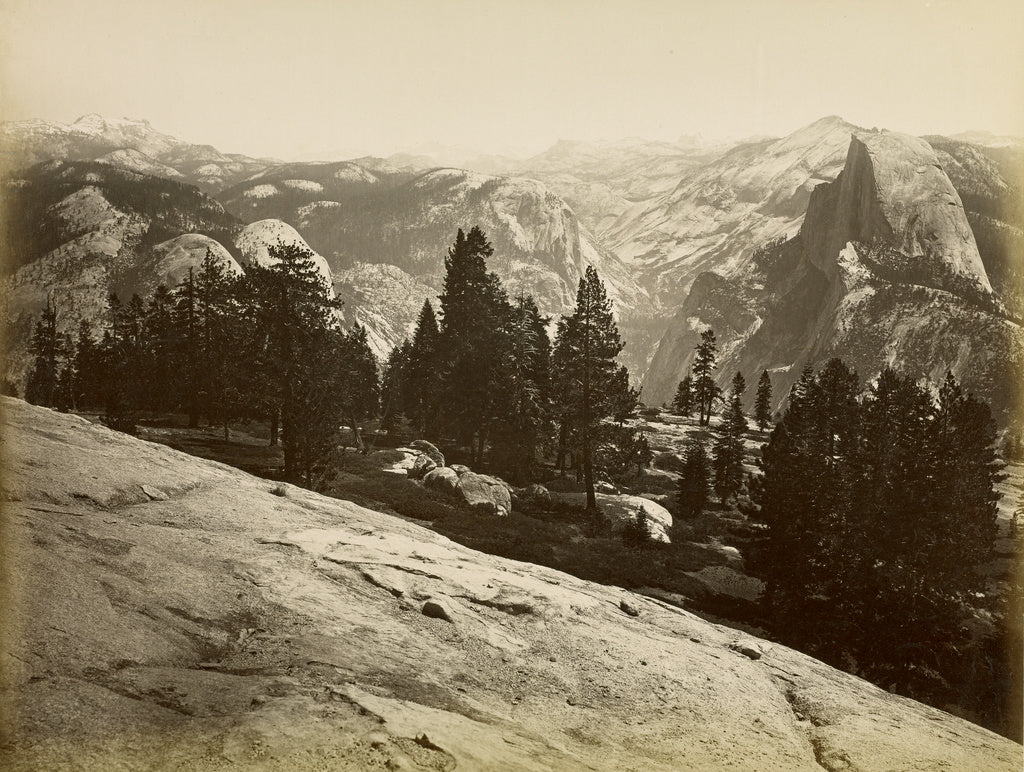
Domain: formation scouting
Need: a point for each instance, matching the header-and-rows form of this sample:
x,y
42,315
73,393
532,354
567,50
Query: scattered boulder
x,y
396,461
443,479
629,608
750,649
623,508
603,486
154,493
533,495
485,493
421,466
437,610
460,469
428,449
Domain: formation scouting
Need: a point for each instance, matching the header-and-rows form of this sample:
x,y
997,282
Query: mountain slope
x,y
884,270
355,216
718,214
130,144
164,610
76,232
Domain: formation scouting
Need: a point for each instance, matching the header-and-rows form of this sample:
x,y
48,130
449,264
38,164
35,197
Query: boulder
x,y
623,508
421,466
442,479
428,449
485,493
437,610
460,469
534,494
397,461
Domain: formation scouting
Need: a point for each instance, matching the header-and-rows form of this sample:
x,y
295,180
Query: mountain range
x,y
833,240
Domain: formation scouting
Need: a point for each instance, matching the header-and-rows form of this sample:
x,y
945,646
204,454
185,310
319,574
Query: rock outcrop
x,y
232,626
884,271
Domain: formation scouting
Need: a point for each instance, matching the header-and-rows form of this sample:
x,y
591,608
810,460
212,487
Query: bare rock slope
x,y
168,612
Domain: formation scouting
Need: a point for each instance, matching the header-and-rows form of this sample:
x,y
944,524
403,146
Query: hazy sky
x,y
337,78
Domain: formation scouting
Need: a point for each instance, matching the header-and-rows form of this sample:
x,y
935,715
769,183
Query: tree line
x,y
481,374
879,506
264,345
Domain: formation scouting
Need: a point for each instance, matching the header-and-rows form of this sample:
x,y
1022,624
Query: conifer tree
x,y
360,382
473,342
694,480
422,377
224,325
87,386
393,385
591,380
297,339
683,401
705,390
763,401
160,371
527,424
187,346
47,349
728,451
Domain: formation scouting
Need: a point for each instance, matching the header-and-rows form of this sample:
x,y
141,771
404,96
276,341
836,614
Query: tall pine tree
x,y
683,401
473,342
763,401
422,377
728,451
591,380
705,390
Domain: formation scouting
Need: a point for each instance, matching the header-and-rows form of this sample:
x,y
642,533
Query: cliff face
x,y
892,190
162,611
884,271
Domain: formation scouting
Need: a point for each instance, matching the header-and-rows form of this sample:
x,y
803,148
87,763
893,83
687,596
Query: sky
x,y
335,78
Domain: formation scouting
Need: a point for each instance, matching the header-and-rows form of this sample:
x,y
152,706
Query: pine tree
x,y
805,500
297,338
394,387
728,451
527,425
160,369
705,390
473,342
87,386
187,347
422,378
763,402
360,387
684,401
591,380
47,350
693,480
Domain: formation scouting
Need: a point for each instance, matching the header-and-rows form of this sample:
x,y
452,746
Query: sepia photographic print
x,y
567,385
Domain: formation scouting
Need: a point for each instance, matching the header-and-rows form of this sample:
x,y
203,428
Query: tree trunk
x,y
588,473
563,441
273,428
357,435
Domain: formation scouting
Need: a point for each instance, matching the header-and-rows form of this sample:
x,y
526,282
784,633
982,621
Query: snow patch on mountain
x,y
133,160
354,173
306,185
261,191
305,211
